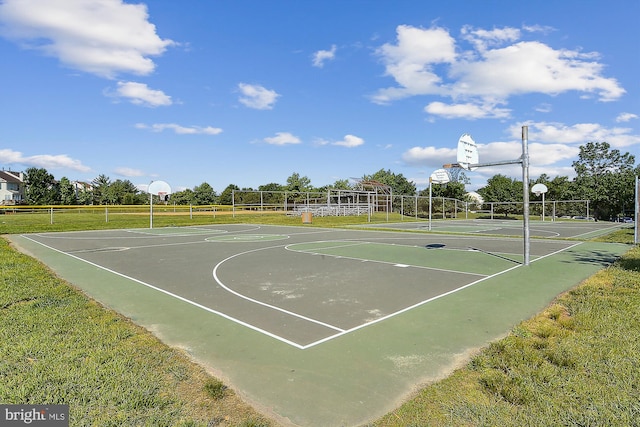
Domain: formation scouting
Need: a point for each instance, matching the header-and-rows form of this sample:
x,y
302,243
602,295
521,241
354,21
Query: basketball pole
x,y
430,184
637,211
524,161
525,193
150,210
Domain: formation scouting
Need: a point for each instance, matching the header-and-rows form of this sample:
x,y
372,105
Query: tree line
x,y
604,176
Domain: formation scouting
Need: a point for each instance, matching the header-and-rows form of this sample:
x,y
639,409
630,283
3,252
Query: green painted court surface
x,y
322,327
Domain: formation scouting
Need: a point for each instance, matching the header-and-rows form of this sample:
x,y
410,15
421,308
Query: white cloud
x,y
350,141
282,138
321,56
498,66
129,172
429,156
412,60
141,94
256,96
625,117
46,161
101,37
180,130
468,111
577,134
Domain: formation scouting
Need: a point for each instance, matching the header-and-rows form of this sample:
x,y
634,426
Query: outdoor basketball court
x,y
325,326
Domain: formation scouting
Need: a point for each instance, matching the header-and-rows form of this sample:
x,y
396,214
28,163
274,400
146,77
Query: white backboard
x,y
157,187
440,176
539,189
467,152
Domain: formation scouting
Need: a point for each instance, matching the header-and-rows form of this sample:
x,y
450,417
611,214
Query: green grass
x,y
60,347
128,217
576,363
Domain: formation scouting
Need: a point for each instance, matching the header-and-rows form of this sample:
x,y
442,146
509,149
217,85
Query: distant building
x,y
12,188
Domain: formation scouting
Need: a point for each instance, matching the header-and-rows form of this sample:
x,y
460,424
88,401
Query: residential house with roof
x,y
12,188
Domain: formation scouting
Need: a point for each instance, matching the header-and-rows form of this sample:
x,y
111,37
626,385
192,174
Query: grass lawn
x,y
576,363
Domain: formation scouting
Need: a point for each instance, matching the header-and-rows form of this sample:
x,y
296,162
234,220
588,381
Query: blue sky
x,y
248,92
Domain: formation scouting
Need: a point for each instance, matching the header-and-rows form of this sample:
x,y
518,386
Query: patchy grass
x,y
576,363
60,347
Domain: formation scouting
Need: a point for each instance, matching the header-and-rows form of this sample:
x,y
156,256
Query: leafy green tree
x,y
342,184
184,197
504,190
601,174
298,183
121,192
67,192
398,183
227,194
272,194
204,194
100,189
450,190
41,187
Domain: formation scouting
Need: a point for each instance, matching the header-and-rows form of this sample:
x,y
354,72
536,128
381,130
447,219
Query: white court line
x,y
255,301
287,247
340,333
404,310
171,294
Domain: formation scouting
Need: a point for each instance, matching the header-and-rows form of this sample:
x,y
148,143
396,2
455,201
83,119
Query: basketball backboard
x,y
440,176
539,189
157,187
467,152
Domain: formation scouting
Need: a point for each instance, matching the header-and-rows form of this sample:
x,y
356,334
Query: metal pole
x,y
429,203
525,186
635,218
150,210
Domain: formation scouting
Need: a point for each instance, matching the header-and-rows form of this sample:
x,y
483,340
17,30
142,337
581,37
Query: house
x,y
12,188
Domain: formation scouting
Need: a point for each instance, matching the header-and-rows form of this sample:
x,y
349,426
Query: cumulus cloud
x,y
101,37
282,138
322,56
129,172
467,111
140,94
576,134
180,130
350,141
625,117
480,80
46,161
429,156
256,96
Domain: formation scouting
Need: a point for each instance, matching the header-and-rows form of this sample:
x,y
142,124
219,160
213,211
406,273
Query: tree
x,y
601,177
502,189
184,197
41,187
100,186
121,192
398,183
450,190
204,194
67,192
298,183
226,195
342,184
